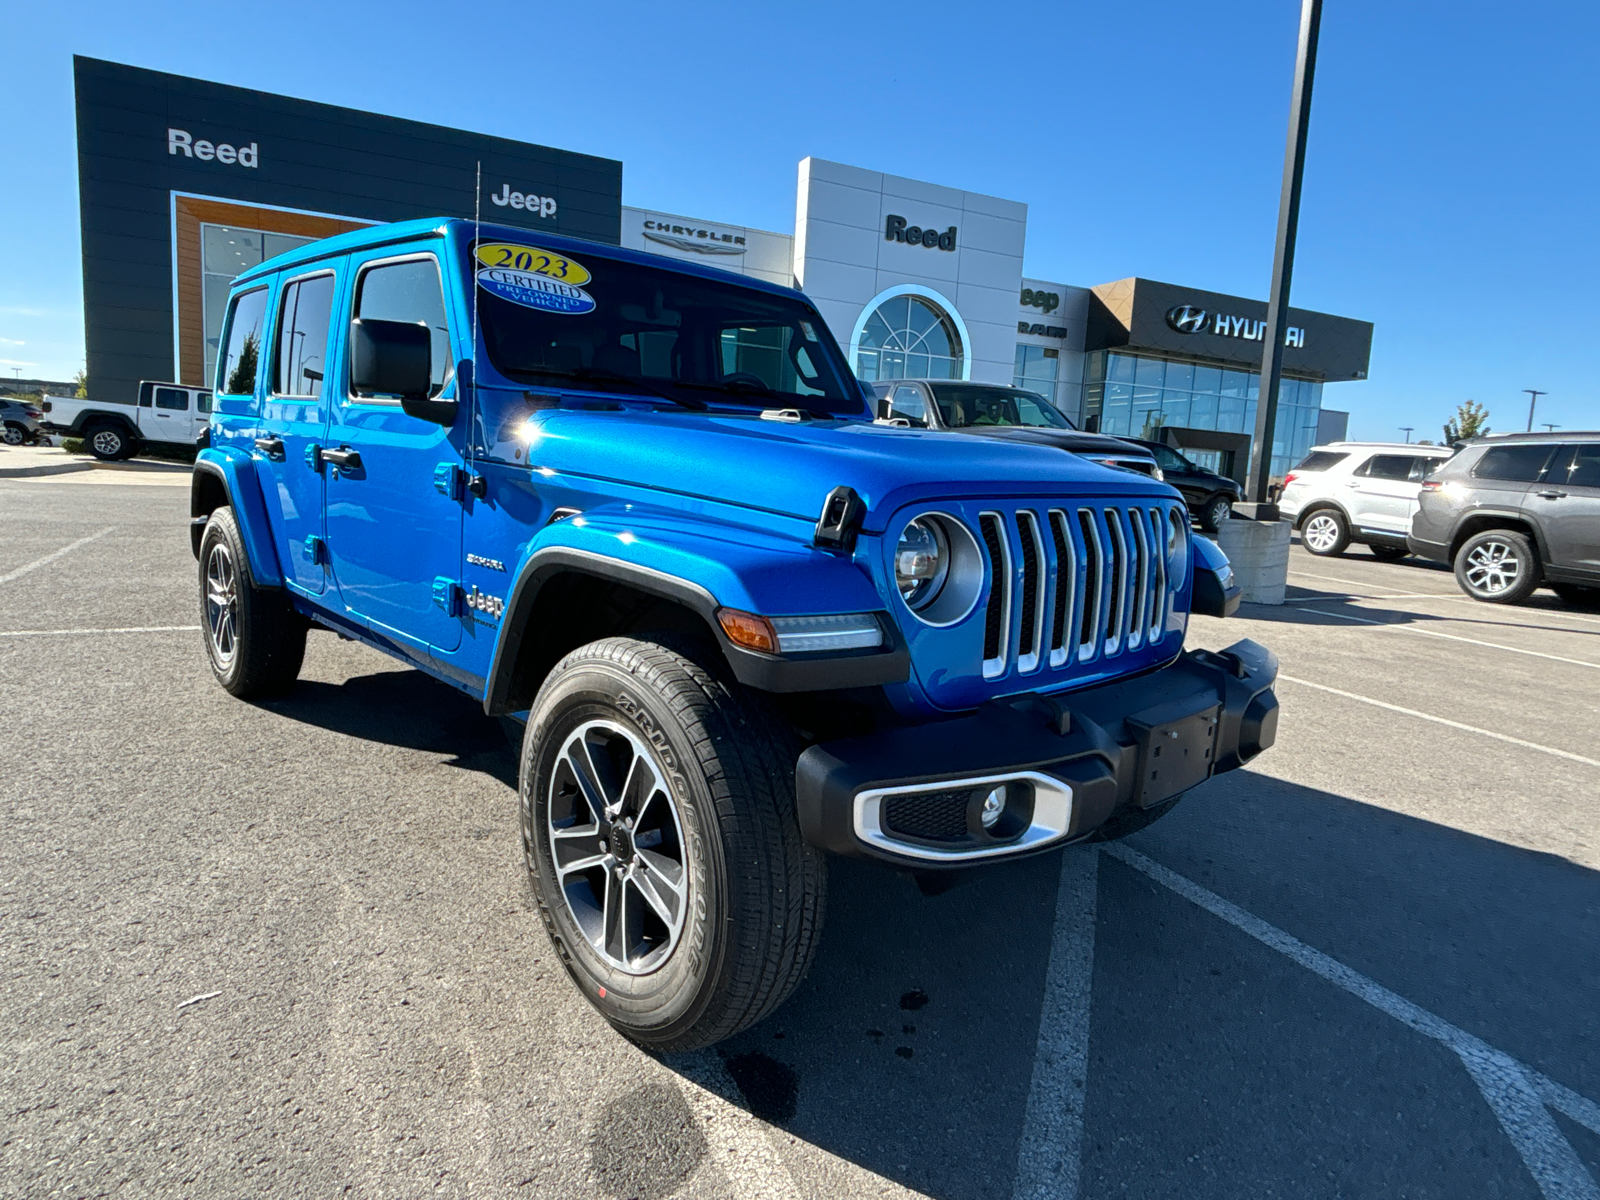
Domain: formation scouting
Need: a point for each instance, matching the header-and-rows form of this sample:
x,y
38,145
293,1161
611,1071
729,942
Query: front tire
x,y
1498,566
1325,533
659,829
1214,512
255,641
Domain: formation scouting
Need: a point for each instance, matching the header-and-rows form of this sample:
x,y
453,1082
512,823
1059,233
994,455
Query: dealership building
x,y
185,183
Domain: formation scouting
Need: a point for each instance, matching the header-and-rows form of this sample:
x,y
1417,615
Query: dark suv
x,y
1210,496
1513,512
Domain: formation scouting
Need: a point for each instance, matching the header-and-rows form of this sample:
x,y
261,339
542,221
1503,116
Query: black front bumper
x,y
915,795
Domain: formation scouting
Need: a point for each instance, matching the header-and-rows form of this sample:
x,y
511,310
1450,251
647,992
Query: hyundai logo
x,y
1186,318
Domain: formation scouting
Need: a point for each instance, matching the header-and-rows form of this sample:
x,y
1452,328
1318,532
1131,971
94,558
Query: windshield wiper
x,y
746,388
601,375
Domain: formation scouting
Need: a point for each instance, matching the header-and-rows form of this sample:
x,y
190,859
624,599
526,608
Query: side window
x,y
409,292
907,404
202,402
1512,464
1170,460
1387,466
1422,468
146,391
172,399
303,316
1583,468
236,369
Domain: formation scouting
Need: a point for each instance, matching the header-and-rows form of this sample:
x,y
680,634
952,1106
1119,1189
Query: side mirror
x,y
395,358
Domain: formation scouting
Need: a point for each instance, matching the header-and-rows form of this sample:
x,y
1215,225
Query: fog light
x,y
993,805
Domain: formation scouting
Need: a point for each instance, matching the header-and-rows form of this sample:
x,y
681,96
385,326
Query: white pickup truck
x,y
170,413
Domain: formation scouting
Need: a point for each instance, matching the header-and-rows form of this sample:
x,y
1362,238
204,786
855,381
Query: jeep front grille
x,y
1075,584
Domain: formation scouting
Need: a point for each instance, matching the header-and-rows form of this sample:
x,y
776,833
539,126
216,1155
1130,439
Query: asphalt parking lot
x,y
289,948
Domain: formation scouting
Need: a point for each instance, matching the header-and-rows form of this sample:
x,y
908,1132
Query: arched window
x,y
909,333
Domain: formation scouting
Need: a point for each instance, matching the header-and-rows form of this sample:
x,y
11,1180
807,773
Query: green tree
x,y
1471,420
242,381
81,380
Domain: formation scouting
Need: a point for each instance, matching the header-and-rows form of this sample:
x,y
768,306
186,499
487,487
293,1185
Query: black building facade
x,y
184,183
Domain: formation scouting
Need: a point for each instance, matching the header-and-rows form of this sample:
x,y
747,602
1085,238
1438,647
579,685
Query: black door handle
x,y
1552,495
271,447
349,459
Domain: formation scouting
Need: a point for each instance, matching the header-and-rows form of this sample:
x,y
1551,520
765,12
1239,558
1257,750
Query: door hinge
x,y
447,595
316,549
456,483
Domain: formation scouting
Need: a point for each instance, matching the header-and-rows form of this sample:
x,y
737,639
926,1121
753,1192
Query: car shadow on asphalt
x,y
408,709
1217,1067
1328,602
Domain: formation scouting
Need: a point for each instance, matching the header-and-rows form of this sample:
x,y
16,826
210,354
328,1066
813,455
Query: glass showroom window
x,y
909,337
225,251
1035,370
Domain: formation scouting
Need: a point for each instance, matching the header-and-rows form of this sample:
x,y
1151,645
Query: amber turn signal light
x,y
748,630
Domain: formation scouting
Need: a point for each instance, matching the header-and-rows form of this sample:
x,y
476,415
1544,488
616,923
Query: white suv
x,y
1358,492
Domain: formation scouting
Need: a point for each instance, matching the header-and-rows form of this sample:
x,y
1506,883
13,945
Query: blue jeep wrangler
x,y
643,508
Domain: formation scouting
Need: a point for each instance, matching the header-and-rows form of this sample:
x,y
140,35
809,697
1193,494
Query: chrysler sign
x,y
1190,318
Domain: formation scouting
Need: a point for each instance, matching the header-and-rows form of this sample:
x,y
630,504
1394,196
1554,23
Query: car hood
x,y
1073,440
789,468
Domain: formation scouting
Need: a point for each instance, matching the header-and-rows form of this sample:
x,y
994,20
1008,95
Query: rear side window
x,y
409,292
203,402
173,399
1512,464
1388,466
303,337
1322,460
908,405
236,371
1582,465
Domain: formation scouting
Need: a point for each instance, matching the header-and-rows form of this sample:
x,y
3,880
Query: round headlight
x,y
921,563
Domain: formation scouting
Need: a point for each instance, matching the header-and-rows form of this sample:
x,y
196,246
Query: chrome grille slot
x,y
1117,562
1068,593
1093,608
997,617
1158,589
1033,591
1139,610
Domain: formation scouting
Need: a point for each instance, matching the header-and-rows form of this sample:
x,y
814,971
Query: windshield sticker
x,y
535,291
531,259
811,334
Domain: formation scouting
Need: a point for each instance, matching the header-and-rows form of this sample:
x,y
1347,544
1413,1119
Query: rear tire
x,y
14,434
1498,566
1325,533
1389,553
108,442
255,641
1214,512
659,828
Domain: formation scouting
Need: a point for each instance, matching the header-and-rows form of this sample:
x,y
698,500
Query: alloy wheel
x,y
617,845
107,442
1221,510
13,435
1321,532
222,604
1493,567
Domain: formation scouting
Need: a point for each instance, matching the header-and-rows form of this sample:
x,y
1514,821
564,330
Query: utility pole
x,y
1406,429
1294,164
1533,398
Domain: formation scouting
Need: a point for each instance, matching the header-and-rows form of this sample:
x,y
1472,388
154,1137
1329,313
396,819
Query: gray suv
x,y
1513,512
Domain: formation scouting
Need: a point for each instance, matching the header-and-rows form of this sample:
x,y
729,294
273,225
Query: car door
x,y
1385,492
294,422
170,418
1566,505
393,536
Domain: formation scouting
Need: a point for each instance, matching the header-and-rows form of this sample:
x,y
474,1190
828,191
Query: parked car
x,y
642,506
1512,512
1210,496
1362,492
168,413
1009,413
20,422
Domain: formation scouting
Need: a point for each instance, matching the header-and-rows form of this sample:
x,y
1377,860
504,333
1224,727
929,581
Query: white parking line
x,y
1050,1155
17,633
1359,584
1398,627
1516,1093
55,554
1411,712
1586,618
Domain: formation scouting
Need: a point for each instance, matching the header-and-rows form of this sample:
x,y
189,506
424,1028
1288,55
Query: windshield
x,y
548,318
966,405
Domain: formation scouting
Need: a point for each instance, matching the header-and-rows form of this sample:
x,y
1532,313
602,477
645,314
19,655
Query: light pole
x,y
1533,398
1294,165
1406,429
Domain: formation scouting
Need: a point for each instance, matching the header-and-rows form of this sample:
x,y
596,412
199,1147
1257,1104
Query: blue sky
x,y
1450,188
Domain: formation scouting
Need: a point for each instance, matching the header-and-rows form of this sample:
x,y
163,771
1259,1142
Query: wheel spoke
x,y
615,919
577,848
582,767
659,881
